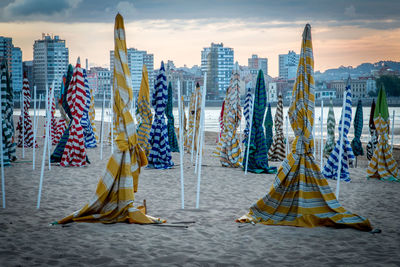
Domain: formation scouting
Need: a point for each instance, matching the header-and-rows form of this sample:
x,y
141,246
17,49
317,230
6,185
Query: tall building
x,y
27,67
136,59
99,80
288,65
217,61
6,51
256,63
17,75
50,62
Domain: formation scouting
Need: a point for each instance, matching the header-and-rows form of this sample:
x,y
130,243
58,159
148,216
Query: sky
x,y
344,32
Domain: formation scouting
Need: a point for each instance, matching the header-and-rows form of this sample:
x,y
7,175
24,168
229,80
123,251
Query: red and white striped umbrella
x,y
74,152
28,129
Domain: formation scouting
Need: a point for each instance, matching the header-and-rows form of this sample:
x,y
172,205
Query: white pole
x,y
49,128
181,145
3,186
194,127
287,135
322,135
112,120
102,125
203,102
393,130
23,124
248,138
44,156
240,131
34,127
340,148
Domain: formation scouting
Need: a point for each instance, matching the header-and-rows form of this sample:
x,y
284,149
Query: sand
x,y
27,239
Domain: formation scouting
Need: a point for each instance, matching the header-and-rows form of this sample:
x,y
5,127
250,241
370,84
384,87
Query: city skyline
x,y
348,33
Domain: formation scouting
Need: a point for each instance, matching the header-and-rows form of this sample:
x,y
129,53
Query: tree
x,y
391,84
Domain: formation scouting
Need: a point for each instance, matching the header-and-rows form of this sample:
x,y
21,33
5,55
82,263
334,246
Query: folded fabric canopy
x,y
300,195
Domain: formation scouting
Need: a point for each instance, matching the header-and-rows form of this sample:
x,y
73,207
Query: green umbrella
x,y
172,140
258,156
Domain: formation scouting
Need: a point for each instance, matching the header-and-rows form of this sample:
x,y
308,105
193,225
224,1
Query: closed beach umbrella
x,y
258,154
88,133
160,152
194,120
382,165
173,142
62,122
144,112
228,148
373,141
248,104
277,151
92,114
221,117
6,115
300,195
114,198
358,125
330,126
74,154
184,119
27,124
332,164
268,124
66,114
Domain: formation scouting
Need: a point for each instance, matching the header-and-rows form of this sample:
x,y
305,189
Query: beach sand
x,y
27,239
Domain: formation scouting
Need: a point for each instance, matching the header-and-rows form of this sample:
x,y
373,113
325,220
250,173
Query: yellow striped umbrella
x,y
300,195
382,164
113,201
144,112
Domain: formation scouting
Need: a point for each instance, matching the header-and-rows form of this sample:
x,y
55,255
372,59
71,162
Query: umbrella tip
x,y
78,61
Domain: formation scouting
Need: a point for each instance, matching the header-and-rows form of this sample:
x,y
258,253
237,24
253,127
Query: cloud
x,y
37,9
350,11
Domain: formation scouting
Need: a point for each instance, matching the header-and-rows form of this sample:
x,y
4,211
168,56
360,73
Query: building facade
x,y
272,93
288,65
136,60
256,63
217,62
17,74
99,80
50,62
6,51
359,87
27,67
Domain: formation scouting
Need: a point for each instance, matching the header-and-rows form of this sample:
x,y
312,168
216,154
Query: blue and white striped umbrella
x,y
331,166
248,103
88,133
160,152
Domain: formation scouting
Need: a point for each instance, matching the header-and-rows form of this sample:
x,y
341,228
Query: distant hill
x,y
363,69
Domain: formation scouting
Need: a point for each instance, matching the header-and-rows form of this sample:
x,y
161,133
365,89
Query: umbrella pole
x,y
34,127
181,145
322,134
248,139
44,154
313,133
393,130
194,127
340,148
287,135
196,167
102,125
50,116
3,189
202,139
23,125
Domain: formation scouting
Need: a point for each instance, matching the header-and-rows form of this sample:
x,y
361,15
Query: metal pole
x,y
201,139
102,124
34,127
23,124
3,186
181,145
322,135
